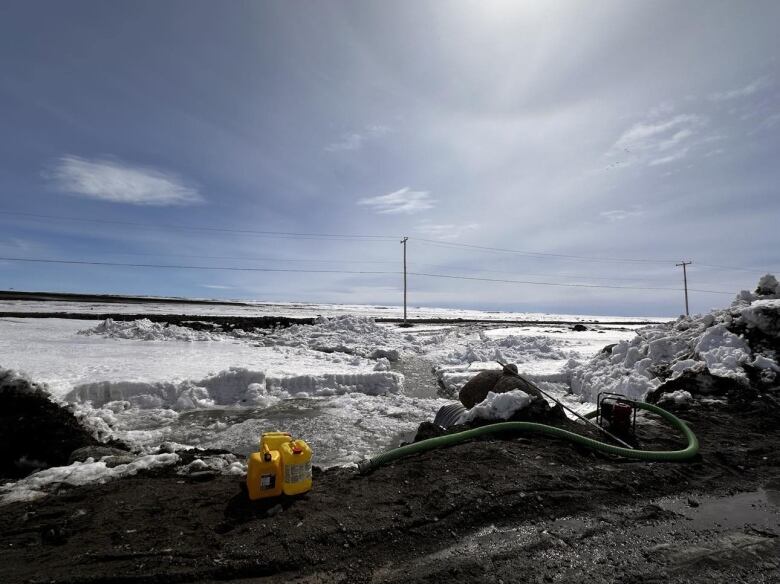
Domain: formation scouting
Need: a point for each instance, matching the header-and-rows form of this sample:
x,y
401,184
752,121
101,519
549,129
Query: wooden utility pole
x,y
685,281
403,242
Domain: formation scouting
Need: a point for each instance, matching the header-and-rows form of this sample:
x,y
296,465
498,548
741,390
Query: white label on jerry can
x,y
267,481
295,473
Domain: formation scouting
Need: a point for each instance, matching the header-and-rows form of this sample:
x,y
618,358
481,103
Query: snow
x,y
222,463
146,330
497,406
715,342
723,352
38,484
334,383
679,397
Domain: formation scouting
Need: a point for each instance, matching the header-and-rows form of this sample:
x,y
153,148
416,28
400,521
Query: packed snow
x,y
497,407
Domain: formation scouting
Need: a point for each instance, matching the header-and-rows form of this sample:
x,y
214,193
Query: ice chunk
x,y
679,397
723,352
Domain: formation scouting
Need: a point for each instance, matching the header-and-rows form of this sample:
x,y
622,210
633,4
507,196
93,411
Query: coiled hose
x,y
686,453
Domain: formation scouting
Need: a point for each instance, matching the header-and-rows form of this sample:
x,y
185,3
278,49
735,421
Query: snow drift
x,y
738,344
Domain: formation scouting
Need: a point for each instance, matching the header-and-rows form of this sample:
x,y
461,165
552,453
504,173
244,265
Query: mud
x,y
522,509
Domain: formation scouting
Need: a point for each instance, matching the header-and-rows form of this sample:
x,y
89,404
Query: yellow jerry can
x,y
273,440
296,464
264,476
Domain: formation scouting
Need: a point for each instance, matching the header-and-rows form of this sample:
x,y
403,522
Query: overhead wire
x,y
368,272
538,253
362,237
564,285
263,233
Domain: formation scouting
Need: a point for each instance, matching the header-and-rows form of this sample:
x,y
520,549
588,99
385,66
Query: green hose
x,y
686,453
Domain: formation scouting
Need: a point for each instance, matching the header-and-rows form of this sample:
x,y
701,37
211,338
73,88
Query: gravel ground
x,y
525,509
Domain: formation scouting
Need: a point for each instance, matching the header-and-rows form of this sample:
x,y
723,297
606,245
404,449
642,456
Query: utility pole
x,y
403,242
685,281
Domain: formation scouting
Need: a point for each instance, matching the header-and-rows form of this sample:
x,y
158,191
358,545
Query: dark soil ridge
x,y
35,432
162,527
116,298
111,298
200,322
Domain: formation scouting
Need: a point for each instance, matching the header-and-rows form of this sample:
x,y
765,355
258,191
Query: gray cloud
x,y
118,182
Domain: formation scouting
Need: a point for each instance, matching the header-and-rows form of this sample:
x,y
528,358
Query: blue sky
x,y
615,130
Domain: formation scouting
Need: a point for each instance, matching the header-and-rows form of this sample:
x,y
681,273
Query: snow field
x,y
329,383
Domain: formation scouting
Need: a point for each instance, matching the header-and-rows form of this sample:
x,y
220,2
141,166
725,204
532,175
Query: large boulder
x,y
477,388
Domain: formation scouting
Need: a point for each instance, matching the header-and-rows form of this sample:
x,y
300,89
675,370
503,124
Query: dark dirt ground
x,y
528,509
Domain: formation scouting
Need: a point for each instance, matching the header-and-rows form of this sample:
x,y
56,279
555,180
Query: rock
x,y
695,383
203,475
391,355
579,328
113,461
95,453
428,430
477,388
608,349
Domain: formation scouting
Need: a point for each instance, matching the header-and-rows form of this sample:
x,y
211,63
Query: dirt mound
x,y
35,432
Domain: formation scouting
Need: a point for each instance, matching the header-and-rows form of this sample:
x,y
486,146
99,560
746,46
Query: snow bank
x,y
731,343
146,330
50,480
236,386
497,406
463,352
350,334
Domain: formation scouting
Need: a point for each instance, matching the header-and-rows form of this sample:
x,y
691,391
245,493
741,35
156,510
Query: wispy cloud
x,y
615,215
118,182
745,91
676,155
356,140
403,201
217,287
445,230
657,140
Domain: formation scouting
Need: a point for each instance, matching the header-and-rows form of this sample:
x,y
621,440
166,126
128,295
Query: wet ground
x,y
527,509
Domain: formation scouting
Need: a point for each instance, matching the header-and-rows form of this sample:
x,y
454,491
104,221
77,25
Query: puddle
x,y
757,509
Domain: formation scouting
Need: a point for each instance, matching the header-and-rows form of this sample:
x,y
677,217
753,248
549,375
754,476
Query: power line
x,y
563,285
368,272
560,275
538,253
357,237
184,267
279,234
255,258
736,269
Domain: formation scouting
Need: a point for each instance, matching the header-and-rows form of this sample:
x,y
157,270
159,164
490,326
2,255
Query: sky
x,y
595,144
